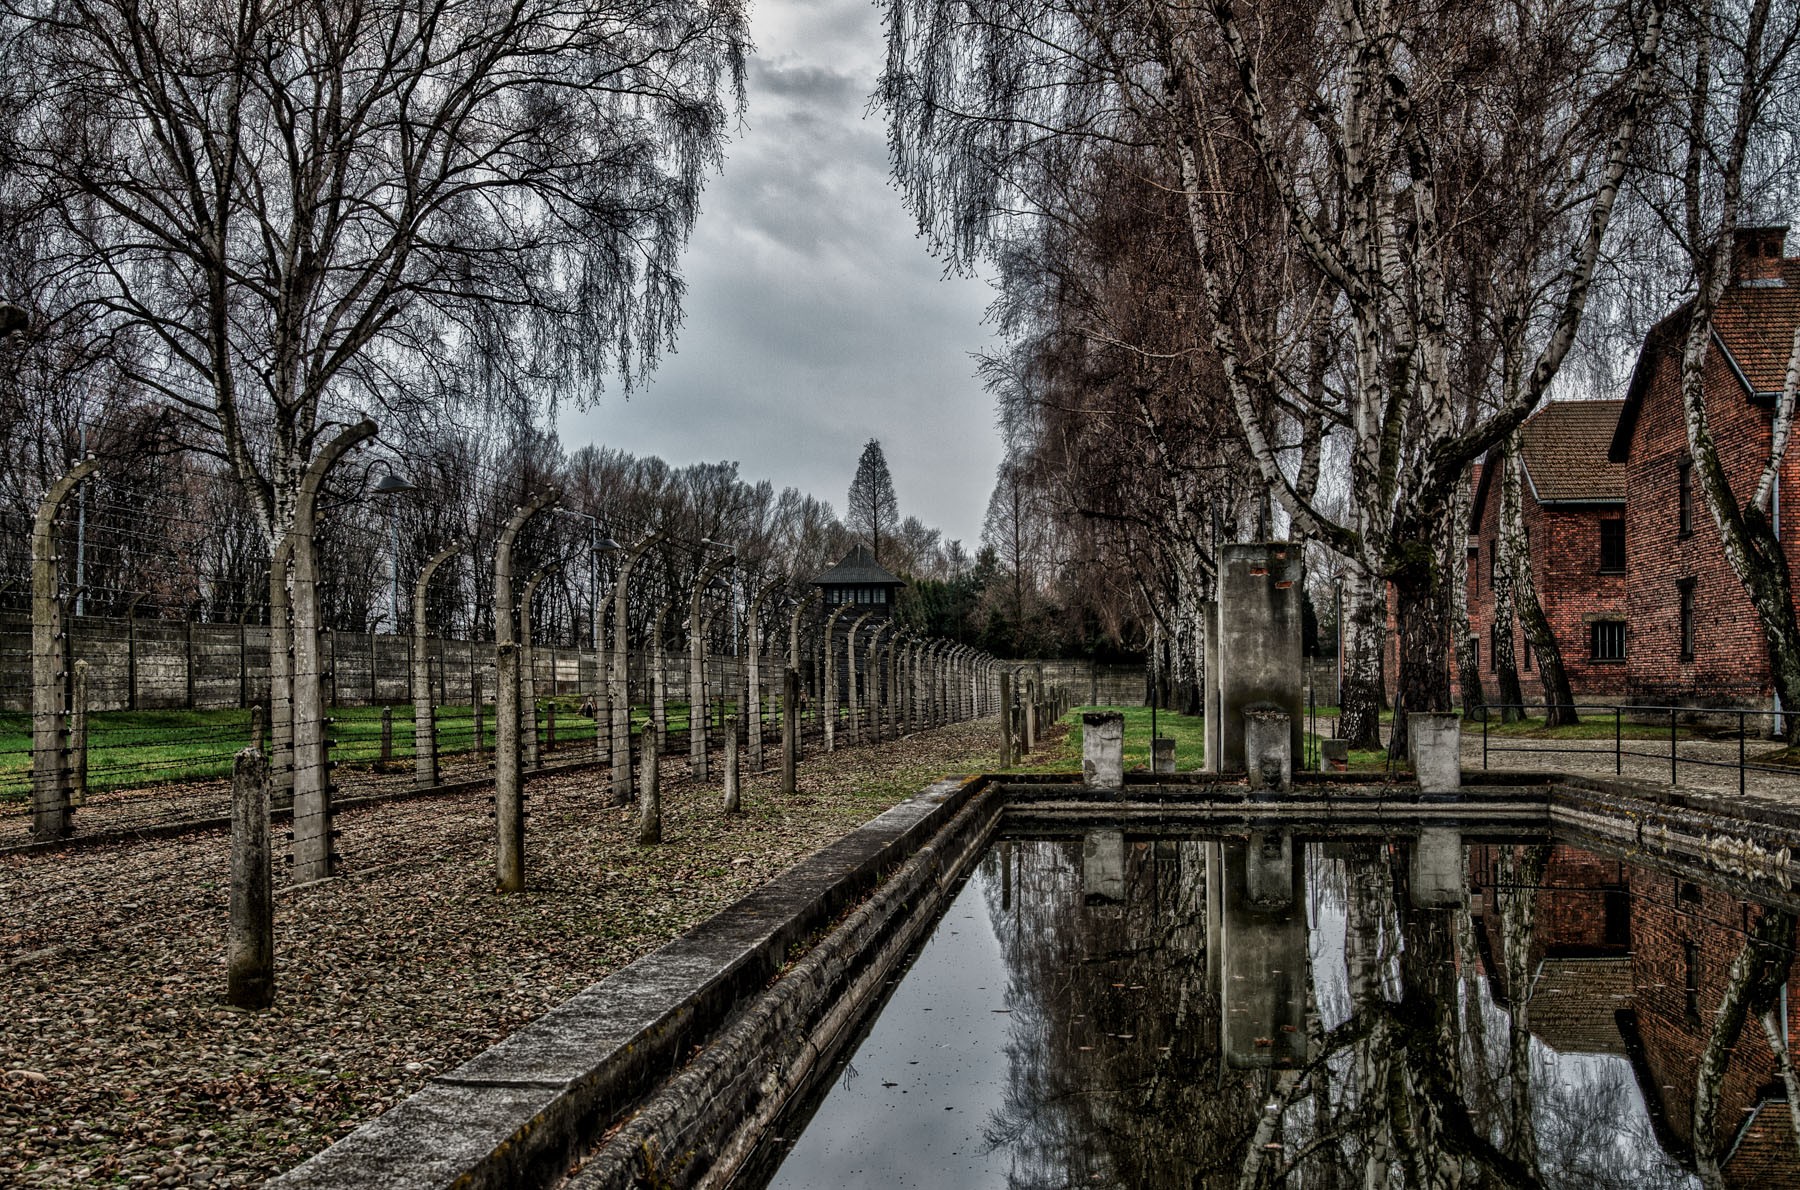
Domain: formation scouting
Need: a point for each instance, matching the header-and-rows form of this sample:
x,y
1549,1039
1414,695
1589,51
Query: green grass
x,y
1188,733
127,749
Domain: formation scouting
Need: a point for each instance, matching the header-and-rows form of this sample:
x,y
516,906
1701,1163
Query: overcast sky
x,y
816,319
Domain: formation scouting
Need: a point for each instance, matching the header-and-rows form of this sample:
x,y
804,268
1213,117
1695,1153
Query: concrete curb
x,y
521,1111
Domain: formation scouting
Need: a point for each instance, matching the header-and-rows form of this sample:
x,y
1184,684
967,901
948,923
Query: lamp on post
x,y
391,484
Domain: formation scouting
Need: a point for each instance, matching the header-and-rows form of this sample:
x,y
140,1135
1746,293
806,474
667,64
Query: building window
x,y
1612,545
1684,498
1525,655
1685,592
1606,640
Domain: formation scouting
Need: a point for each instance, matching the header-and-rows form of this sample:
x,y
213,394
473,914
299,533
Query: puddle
x,y
1120,1011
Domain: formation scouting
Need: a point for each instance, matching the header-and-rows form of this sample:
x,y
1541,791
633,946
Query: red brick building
x,y
1575,516
1694,638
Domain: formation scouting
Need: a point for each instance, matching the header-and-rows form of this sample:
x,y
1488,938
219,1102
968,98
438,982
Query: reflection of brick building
x,y
1574,513
1629,959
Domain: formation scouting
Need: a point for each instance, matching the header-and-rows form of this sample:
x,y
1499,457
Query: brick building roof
x,y
1564,445
1754,324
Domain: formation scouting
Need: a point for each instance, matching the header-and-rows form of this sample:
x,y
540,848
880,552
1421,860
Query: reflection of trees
x,y
1116,1077
1753,987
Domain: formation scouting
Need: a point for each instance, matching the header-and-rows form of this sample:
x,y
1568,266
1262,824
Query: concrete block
x,y
1436,742
1334,756
1103,867
1103,749
1259,642
1268,748
1162,754
1435,873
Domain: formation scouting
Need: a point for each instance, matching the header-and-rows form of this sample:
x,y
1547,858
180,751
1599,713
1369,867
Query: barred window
x,y
1685,590
1606,640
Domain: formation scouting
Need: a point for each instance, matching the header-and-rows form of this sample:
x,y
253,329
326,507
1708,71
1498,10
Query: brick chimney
x,y
1757,254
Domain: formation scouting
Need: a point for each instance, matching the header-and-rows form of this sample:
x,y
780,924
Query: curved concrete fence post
x,y
509,781
877,682
312,854
528,711
854,681
659,679
791,725
697,625
425,743
752,711
830,692
619,693
50,776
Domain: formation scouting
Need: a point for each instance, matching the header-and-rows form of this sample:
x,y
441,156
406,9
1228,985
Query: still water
x,y
1133,1012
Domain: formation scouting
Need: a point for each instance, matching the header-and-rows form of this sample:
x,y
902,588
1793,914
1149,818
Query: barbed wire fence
x,y
141,650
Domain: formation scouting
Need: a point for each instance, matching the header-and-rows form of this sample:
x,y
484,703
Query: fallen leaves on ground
x,y
120,1063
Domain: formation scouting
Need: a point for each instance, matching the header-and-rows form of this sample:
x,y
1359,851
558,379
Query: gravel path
x,y
119,1063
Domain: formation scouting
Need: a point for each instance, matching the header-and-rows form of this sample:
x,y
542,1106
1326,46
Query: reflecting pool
x,y
1131,1011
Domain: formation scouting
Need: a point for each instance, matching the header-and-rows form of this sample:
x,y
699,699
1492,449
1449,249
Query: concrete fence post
x,y
790,729
259,728
509,782
387,735
312,853
649,791
830,699
754,643
1103,749
250,945
425,743
855,680
50,776
659,681
733,797
528,710
78,735
697,625
1006,725
620,693
478,727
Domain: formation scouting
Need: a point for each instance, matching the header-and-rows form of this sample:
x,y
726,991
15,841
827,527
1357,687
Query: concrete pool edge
x,y
698,1045
522,1110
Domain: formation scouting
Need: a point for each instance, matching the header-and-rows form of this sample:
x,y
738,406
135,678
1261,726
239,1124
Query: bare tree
x,y
872,509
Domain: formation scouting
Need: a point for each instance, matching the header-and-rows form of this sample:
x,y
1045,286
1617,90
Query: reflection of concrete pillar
x,y
1103,749
1209,620
1103,866
1259,642
1215,912
1262,958
1435,874
1269,869
1436,742
1268,750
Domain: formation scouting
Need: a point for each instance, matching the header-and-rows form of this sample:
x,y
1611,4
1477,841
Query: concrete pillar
x,y
659,682
509,718
312,823
753,707
698,757
78,735
1006,723
1268,750
1162,754
733,792
50,792
1435,868
1103,749
477,728
250,943
528,711
1103,867
853,684
1334,756
790,729
649,826
1436,743
1212,741
620,693
425,746
1259,642
387,735
1030,709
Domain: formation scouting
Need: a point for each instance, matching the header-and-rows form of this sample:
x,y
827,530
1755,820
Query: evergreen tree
x,y
873,508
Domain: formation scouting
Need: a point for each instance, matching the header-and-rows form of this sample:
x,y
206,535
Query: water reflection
x,y
1254,1012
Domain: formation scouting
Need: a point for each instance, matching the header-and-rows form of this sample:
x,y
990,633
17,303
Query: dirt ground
x,y
119,1062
